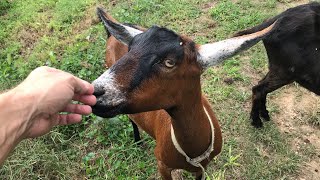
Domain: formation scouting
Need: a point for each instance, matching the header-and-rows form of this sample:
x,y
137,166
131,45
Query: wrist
x,y
17,109
11,123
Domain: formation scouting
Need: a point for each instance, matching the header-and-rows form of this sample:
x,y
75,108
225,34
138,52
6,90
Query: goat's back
x,y
293,47
289,21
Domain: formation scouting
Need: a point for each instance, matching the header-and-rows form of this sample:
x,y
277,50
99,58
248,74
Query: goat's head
x,y
160,68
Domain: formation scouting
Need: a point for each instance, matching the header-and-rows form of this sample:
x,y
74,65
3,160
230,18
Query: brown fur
x,y
190,123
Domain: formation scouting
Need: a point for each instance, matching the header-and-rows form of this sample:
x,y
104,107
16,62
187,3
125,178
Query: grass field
x,y
67,35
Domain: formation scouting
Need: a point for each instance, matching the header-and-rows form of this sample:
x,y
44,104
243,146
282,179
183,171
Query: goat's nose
x,y
98,91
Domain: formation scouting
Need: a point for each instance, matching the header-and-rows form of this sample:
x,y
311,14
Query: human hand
x,y
50,92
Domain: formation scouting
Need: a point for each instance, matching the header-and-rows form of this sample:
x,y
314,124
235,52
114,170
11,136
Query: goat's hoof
x,y
265,115
139,143
257,123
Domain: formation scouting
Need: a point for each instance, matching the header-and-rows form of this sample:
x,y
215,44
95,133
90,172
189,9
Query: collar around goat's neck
x,y
197,160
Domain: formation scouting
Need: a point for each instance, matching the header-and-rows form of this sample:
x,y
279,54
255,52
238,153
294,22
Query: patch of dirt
x,y
207,26
207,6
248,69
286,4
28,37
87,21
114,2
296,106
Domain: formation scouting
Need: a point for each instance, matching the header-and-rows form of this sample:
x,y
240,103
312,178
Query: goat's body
x,y
158,124
293,50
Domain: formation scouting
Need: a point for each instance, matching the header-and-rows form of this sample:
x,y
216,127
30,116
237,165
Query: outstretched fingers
x,y
85,99
78,109
82,87
65,119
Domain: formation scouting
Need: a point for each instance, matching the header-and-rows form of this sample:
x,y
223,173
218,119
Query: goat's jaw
x,y
110,99
108,111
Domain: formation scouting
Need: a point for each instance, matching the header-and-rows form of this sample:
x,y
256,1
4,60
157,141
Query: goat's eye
x,y
169,63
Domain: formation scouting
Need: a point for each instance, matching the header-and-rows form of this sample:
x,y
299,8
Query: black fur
x,y
151,48
136,133
293,49
113,28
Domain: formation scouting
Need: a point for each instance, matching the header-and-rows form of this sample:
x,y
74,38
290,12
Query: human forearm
x,y
15,109
34,107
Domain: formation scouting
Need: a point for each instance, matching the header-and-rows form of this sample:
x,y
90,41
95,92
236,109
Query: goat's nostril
x,y
98,91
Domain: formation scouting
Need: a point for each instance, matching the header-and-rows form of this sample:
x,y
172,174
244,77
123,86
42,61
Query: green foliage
x,y
115,152
241,15
314,119
4,6
148,12
62,34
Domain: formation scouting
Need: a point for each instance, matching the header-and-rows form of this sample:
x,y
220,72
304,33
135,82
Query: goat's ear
x,y
121,32
214,53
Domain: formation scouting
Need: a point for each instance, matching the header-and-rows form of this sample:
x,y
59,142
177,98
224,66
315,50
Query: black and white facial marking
x,y
108,94
153,49
122,32
158,50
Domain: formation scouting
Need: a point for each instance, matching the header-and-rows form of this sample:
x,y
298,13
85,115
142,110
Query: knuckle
x,y
40,69
69,78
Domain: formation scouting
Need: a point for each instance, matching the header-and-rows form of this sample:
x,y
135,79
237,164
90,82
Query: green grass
x,y
64,34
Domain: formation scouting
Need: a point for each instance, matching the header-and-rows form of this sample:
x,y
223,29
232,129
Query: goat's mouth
x,y
108,111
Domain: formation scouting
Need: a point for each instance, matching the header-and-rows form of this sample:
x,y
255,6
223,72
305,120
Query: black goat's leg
x,y
264,113
272,81
256,103
136,132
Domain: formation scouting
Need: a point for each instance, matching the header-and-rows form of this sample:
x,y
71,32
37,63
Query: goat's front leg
x,y
164,171
256,106
264,113
136,133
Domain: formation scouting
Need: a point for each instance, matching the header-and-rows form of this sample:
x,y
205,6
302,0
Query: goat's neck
x,y
191,124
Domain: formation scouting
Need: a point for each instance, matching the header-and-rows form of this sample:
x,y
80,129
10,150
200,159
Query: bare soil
x,y
285,4
296,106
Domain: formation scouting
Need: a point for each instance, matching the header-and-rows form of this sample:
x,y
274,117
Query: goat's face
x,y
159,70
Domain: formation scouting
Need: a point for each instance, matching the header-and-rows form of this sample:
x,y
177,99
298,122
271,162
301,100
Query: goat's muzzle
x,y
108,104
110,99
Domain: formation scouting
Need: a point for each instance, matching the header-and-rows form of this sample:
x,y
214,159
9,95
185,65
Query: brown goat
x,y
155,77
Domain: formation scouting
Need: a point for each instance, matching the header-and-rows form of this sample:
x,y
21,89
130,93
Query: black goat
x,y
293,50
